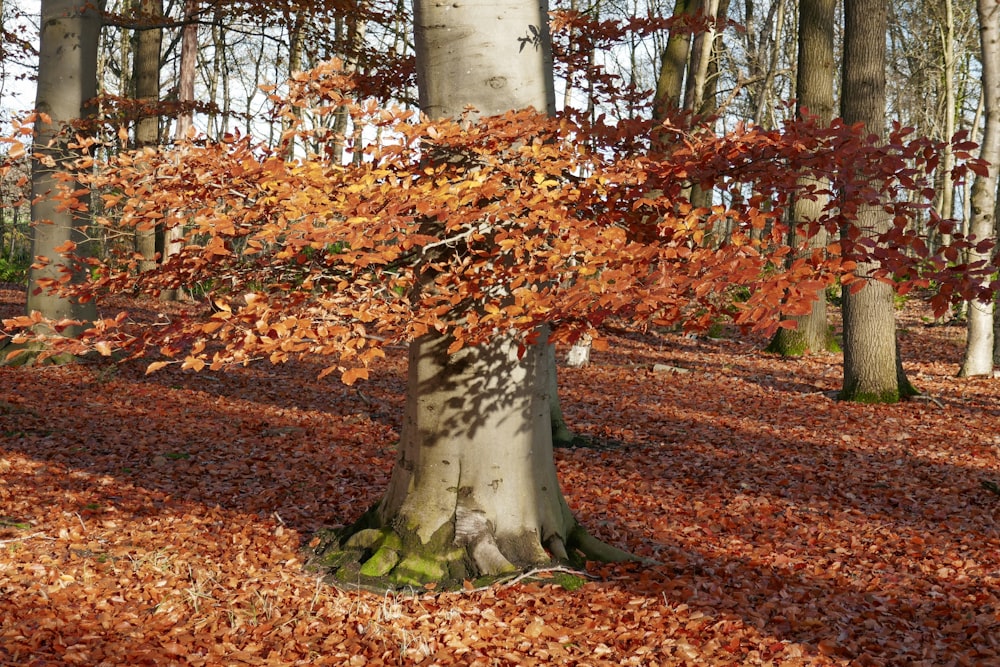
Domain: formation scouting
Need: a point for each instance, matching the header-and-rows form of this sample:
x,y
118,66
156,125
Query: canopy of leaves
x,y
473,227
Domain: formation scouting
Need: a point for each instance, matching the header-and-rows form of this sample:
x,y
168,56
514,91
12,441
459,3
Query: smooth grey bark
x,y
67,81
172,238
695,93
766,93
872,367
352,32
980,340
673,64
814,83
146,79
474,490
476,454
496,56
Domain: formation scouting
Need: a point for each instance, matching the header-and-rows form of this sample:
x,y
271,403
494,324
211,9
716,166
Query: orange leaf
x,y
353,374
16,151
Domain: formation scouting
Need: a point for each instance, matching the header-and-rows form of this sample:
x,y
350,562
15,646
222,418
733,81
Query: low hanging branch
x,y
304,256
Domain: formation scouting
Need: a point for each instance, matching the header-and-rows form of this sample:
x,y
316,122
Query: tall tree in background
x,y
172,236
673,63
697,93
474,488
67,83
872,367
814,83
980,343
146,79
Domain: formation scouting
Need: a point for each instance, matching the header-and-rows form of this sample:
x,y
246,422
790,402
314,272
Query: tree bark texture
x,y
146,78
673,63
173,237
495,56
473,492
872,367
980,341
476,455
67,81
814,83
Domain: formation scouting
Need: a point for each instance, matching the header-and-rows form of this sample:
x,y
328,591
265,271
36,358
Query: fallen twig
x,y
26,537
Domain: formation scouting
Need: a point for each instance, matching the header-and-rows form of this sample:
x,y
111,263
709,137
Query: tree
x,y
814,85
872,368
474,489
673,62
67,84
172,235
476,239
980,343
146,79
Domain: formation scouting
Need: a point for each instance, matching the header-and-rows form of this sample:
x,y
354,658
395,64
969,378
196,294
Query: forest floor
x,y
159,520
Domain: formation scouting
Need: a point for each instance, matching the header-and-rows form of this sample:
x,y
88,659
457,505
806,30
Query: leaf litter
x,y
159,520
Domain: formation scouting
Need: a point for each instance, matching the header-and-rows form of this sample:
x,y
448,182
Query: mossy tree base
x,y
381,558
473,494
33,354
794,343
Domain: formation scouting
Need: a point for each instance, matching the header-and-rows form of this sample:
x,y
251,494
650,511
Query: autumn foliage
x,y
158,519
477,226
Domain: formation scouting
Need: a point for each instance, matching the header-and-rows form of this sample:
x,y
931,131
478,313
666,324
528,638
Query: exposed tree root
x,y
382,558
33,354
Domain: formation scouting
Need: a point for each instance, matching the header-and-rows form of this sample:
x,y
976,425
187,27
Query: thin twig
x,y
26,537
518,578
925,397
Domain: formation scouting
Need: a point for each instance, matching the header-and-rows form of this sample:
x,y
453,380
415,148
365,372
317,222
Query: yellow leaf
x,y
155,366
104,348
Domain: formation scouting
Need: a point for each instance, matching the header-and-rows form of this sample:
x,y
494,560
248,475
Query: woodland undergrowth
x,y
160,520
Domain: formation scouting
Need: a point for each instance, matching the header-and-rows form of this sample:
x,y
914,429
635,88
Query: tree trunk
x,y
695,96
173,237
980,341
673,63
872,367
67,81
474,489
350,32
814,83
764,98
146,77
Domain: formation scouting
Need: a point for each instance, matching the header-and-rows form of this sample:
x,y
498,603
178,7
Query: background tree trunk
x,y
814,83
173,236
872,368
673,63
67,81
146,78
980,341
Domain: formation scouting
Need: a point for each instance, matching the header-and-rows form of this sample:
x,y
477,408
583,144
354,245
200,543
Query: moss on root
x,y
382,558
794,343
33,354
888,396
386,558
